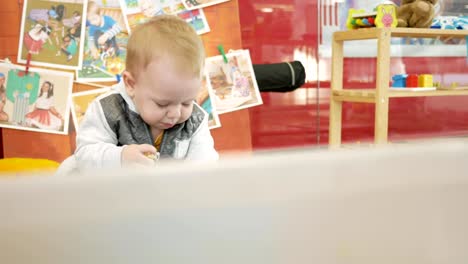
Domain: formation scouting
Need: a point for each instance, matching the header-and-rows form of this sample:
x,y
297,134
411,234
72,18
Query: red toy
x,y
412,80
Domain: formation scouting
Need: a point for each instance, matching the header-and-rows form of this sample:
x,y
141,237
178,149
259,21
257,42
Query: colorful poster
x,y
150,8
80,103
52,33
233,82
196,18
205,100
140,11
34,101
106,39
193,4
449,15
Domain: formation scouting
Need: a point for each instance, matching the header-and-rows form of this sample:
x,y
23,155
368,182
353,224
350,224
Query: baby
x,y
151,112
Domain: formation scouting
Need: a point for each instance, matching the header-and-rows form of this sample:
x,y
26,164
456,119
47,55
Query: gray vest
x,y
131,129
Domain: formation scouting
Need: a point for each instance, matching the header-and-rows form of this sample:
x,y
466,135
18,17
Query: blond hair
x,y
165,35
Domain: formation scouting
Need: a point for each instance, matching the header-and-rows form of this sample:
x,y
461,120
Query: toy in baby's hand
x,y
416,13
154,157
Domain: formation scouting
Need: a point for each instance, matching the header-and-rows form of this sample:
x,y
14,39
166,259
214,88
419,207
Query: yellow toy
x,y
425,80
12,166
359,18
384,16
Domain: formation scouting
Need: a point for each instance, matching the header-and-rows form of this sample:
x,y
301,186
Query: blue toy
x,y
399,80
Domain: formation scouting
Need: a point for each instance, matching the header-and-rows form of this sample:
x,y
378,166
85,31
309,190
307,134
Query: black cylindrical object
x,y
279,77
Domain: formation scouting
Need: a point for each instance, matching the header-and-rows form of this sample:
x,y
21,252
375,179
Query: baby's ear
x,y
129,82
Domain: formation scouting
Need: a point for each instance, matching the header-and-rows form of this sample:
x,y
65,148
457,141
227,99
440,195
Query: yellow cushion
x,y
12,165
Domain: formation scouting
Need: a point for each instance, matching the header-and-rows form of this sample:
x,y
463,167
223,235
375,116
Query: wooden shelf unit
x,y
381,94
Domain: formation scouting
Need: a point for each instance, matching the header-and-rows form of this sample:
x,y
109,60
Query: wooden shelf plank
x,y
372,33
368,95
355,92
354,99
428,32
367,33
427,93
355,95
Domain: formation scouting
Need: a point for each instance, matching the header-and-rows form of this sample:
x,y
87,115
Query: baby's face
x,y
2,81
163,96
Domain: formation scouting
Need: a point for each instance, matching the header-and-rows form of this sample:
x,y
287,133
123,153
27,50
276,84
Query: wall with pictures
x,y
301,30
223,18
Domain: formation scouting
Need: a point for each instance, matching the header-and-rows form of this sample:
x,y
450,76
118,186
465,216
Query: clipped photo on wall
x,y
80,102
36,100
194,4
52,33
106,39
233,82
205,100
140,11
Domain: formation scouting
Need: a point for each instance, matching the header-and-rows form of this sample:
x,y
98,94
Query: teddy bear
x,y
416,13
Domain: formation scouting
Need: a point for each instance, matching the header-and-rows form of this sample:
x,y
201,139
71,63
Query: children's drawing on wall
x,y
36,100
140,11
205,100
193,4
51,33
106,41
233,82
80,103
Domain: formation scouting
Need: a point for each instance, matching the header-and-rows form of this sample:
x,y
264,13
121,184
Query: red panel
x,y
278,31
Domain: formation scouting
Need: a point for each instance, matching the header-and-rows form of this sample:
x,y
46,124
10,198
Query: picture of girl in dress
x,y
44,25
36,37
51,18
44,115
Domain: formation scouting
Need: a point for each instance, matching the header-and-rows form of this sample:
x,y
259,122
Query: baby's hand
x,y
137,155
